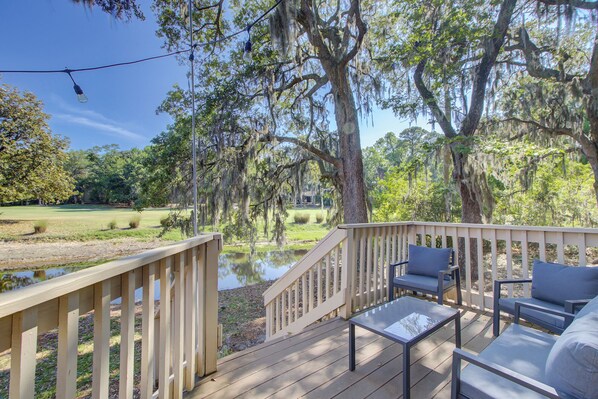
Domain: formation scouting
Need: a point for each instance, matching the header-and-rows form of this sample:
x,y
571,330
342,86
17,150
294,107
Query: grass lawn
x,y
80,223
90,222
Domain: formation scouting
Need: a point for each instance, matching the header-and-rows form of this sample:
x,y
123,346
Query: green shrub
x,y
165,221
319,218
134,222
112,225
301,218
40,226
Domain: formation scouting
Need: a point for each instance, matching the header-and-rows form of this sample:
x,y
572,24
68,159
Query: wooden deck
x,y
314,364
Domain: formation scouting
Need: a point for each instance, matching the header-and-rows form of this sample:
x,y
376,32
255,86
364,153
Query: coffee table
x,y
407,321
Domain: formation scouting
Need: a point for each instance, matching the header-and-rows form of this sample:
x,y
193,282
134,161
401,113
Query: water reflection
x,y
242,269
234,270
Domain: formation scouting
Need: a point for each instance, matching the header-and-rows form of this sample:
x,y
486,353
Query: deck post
x,y
348,271
213,249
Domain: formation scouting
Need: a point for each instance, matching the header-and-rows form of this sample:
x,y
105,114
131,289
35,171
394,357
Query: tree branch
x,y
531,53
430,101
559,131
361,31
483,69
306,146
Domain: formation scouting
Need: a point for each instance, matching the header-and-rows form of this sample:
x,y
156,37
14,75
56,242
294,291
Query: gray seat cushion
x,y
572,365
520,349
416,282
553,282
426,261
508,305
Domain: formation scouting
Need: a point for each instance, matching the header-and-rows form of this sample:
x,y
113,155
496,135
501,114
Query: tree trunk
x,y
351,167
471,212
592,112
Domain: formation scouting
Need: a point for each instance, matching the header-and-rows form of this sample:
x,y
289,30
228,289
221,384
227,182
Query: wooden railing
x,y
178,335
485,252
311,290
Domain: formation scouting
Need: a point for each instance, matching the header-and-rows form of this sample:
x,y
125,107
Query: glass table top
x,y
405,318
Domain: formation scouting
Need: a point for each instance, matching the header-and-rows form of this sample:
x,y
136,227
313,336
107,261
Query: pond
x,y
234,270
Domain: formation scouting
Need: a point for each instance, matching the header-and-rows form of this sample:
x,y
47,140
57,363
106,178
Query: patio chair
x,y
557,293
526,363
428,270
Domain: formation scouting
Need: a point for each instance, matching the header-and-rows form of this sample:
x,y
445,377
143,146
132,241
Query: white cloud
x,y
108,127
95,120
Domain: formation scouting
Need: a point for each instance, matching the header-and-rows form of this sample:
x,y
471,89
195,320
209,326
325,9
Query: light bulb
x,y
247,51
80,95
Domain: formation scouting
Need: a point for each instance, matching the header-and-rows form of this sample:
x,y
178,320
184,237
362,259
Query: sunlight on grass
x,y
92,222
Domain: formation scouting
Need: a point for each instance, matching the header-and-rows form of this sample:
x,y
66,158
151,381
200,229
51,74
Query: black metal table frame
x,y
406,345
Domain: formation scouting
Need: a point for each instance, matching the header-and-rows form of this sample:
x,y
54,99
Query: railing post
x,y
348,272
148,358
411,234
213,249
68,333
101,340
23,350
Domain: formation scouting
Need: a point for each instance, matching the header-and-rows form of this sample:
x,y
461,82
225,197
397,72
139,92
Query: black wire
x,y
212,42
265,13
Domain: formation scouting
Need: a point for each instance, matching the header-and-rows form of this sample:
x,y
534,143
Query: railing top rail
x,y
24,298
474,226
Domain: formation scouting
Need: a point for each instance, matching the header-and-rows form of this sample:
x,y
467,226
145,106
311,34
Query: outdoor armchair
x,y
558,291
428,270
526,363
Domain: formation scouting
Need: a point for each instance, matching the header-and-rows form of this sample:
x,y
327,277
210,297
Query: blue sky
x,y
54,34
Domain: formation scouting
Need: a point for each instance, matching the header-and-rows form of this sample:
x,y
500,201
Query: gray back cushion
x,y
428,261
553,282
572,364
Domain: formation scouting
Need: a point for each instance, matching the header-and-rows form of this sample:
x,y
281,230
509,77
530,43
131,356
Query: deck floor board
x,y
314,364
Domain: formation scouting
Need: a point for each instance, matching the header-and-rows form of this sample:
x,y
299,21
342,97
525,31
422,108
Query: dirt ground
x,y
17,255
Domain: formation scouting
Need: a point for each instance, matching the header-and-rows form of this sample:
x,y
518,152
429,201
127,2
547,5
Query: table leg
x,y
406,371
351,346
458,331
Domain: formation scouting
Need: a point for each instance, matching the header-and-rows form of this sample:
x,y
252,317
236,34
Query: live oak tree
x,y
31,157
447,50
328,39
303,66
555,93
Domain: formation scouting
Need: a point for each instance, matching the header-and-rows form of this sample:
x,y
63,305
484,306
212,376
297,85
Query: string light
x,y
247,49
83,98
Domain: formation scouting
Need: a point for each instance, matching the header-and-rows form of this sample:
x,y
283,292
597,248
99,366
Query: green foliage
x,y
543,187
108,175
112,225
302,218
166,221
31,158
421,199
134,222
41,226
319,217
